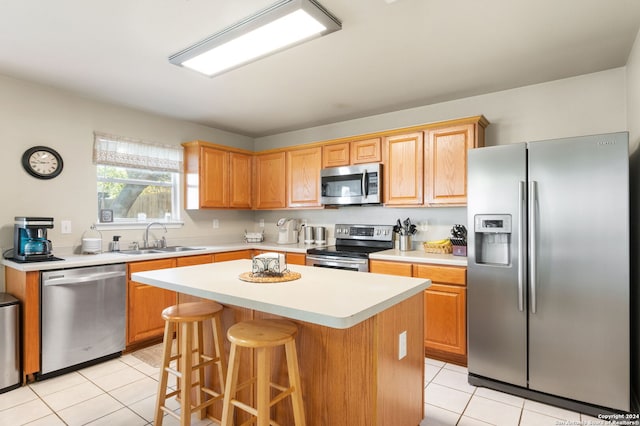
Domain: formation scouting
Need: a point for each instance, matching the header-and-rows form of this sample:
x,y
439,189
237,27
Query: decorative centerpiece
x,y
269,264
269,268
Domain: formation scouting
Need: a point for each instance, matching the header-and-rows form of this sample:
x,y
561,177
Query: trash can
x,y
10,377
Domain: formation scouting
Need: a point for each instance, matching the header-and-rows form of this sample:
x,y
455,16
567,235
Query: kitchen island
x,y
360,339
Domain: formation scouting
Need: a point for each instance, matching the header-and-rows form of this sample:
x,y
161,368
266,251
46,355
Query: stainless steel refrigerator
x,y
548,271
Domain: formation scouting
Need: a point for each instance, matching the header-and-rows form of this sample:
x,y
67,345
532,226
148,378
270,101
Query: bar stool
x,y
263,336
187,320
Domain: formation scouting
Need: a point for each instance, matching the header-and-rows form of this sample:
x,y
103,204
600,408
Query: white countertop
x,y
80,260
105,258
419,256
328,297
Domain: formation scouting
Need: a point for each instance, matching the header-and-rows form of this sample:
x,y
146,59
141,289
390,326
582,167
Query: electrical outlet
x,y
261,223
65,226
216,224
402,345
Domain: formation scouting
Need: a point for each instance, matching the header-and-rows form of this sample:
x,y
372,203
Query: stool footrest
x,y
281,396
173,393
171,413
173,371
205,364
205,404
284,392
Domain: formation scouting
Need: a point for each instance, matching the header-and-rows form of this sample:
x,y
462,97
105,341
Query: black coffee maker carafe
x,y
30,241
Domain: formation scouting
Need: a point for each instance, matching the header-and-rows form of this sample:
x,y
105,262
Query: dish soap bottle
x,y
115,244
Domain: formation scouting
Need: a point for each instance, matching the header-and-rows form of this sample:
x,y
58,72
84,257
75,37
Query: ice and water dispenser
x,y
493,239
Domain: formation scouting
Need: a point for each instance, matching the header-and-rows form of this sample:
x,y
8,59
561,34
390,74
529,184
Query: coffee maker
x,y
287,231
30,241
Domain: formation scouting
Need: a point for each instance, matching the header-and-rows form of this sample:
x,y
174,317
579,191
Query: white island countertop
x,y
329,297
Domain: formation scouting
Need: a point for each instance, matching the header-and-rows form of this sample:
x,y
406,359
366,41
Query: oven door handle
x,y
337,261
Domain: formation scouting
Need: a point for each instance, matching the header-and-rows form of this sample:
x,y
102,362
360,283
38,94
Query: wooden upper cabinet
x,y
240,182
366,151
270,181
335,155
303,177
446,161
403,169
355,152
216,177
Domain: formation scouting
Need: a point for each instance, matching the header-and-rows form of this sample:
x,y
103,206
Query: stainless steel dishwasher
x,y
82,317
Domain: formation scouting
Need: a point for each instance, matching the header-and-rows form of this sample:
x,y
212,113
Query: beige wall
x,y
32,114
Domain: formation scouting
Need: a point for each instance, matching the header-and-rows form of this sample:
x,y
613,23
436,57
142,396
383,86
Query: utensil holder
x,y
406,243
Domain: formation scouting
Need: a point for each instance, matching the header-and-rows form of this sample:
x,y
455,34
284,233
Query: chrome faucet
x,y
145,242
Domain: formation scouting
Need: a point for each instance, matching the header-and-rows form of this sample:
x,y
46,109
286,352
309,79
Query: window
x,y
136,181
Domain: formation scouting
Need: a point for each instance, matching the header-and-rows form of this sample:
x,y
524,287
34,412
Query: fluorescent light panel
x,y
276,28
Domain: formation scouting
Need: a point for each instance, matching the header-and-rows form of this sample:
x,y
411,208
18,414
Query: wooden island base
x,y
351,376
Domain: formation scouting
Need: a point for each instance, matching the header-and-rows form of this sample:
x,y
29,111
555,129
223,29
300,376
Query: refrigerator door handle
x,y
533,225
522,248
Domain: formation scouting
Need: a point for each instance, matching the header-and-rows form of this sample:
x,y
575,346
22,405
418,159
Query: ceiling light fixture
x,y
278,27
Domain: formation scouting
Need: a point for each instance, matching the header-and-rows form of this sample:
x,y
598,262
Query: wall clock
x,y
42,162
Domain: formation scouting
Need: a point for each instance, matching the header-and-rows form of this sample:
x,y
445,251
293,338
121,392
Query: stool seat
x,y
187,321
262,336
190,312
262,333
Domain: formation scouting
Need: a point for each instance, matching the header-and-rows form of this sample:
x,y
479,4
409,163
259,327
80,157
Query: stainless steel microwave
x,y
352,185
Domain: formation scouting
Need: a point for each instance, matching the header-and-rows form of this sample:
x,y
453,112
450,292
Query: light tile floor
x,y
451,400
122,392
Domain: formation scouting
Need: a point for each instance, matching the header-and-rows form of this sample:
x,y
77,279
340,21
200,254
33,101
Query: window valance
x,y
126,152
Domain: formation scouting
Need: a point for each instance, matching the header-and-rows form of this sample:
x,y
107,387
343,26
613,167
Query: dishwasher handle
x,y
82,279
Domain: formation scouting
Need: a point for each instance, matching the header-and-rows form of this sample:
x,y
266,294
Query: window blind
x,y
126,152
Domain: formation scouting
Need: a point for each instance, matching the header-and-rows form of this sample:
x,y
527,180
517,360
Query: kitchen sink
x,y
140,251
175,248
171,249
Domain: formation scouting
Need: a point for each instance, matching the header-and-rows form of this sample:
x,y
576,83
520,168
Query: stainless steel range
x,y
354,243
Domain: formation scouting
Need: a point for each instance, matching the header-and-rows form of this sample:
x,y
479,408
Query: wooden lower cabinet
x,y
391,268
145,303
445,319
199,259
232,255
296,258
25,286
